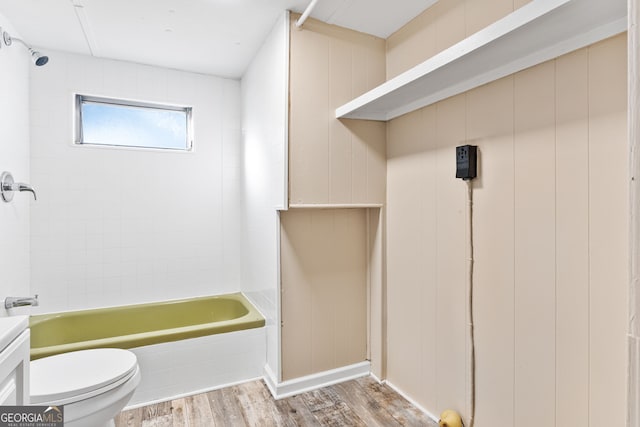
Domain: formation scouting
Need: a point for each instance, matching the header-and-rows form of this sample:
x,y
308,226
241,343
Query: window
x,y
114,122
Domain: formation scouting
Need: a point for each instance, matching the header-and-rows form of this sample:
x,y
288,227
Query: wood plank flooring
x,y
362,402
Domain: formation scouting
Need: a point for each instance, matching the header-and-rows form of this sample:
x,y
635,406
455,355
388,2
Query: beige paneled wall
x,y
334,161
440,27
608,230
324,289
572,231
633,395
550,231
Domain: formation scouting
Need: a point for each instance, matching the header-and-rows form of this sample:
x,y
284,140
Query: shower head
x,y
37,58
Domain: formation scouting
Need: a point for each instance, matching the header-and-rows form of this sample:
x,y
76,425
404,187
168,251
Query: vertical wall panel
x,y
340,150
375,67
451,266
376,161
350,281
297,301
572,241
440,27
481,13
534,161
519,3
426,202
360,140
377,294
416,39
324,277
368,161
608,230
331,162
492,130
329,158
315,252
450,27
633,116
550,231
407,175
368,139
308,124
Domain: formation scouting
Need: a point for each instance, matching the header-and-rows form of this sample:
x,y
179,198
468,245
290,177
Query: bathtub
x,y
183,346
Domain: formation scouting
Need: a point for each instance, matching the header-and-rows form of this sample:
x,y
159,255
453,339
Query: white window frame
x,y
79,99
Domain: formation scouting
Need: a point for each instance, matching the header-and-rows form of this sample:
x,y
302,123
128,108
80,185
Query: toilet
x,y
93,385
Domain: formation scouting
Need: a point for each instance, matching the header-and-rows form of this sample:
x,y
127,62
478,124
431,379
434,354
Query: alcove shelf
x,y
337,206
537,32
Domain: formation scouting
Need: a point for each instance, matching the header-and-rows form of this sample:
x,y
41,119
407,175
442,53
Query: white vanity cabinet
x,y
14,360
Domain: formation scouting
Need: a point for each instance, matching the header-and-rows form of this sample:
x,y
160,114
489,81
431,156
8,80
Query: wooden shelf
x,y
537,32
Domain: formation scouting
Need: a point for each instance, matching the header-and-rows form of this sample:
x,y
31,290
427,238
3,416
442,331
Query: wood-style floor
x,y
362,402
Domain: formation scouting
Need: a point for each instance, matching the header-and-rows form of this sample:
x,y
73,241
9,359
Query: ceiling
x,y
218,37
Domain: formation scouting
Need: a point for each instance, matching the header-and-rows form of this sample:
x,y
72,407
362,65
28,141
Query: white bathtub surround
x,y
288,388
119,226
175,369
14,157
263,163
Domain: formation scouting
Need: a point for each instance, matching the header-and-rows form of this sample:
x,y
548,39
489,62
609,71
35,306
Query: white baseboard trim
x,y
413,402
378,380
270,380
280,390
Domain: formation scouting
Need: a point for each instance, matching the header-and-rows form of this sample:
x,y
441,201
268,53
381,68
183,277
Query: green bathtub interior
x,y
142,324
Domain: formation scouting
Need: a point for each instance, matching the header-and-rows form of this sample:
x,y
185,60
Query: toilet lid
x,y
77,373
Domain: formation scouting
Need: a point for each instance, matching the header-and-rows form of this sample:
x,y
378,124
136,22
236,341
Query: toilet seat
x,y
71,377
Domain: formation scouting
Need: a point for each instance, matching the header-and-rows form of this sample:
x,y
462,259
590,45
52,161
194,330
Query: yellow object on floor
x,y
450,418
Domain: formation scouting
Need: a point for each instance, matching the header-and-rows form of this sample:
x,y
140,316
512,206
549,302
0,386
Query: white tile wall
x,y
14,157
264,182
120,226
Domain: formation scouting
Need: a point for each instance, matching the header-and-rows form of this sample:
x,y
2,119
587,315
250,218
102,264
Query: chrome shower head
x,y
37,58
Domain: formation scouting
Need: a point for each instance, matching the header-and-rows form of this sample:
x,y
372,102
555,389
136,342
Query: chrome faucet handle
x,y
8,186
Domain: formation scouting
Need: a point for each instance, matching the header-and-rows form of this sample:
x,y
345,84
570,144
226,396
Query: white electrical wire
x,y
471,346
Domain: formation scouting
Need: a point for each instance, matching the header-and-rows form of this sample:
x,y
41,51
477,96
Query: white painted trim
x,y
287,67
537,32
633,391
270,380
280,390
378,380
87,29
277,376
413,402
190,393
337,206
369,262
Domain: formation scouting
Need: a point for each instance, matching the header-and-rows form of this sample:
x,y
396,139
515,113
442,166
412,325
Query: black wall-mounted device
x,y
466,161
